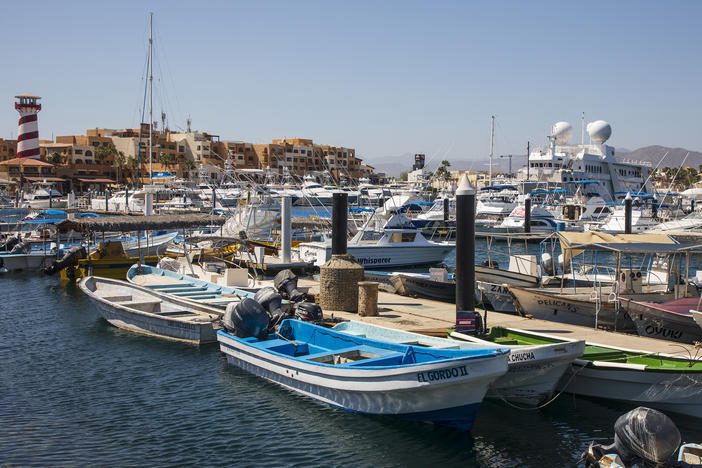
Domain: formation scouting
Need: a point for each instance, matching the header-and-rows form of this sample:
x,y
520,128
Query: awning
x,y
592,240
42,179
96,181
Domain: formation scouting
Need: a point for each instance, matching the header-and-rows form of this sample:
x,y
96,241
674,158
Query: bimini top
x,y
641,248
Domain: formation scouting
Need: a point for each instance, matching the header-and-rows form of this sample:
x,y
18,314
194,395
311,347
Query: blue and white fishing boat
x,y
533,372
444,386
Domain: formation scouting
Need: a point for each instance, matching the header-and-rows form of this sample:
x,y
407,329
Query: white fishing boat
x,y
533,371
443,386
146,311
640,378
584,306
398,243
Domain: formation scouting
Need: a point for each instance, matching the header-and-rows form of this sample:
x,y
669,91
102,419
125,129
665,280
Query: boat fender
x,y
642,436
309,312
246,319
286,284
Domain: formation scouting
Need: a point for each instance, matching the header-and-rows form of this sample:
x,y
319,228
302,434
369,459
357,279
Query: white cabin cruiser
x,y
398,243
43,196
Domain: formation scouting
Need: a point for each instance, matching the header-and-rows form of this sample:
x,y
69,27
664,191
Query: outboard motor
x,y
246,319
642,436
70,259
491,264
21,248
309,312
9,243
272,302
286,284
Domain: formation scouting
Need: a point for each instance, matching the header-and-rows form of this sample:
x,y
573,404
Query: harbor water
x,y
75,391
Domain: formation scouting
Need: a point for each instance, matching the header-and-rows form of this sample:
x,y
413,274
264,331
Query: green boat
x,y
657,380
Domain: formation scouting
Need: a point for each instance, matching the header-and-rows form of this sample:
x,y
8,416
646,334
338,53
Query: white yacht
x,y
42,196
562,163
398,243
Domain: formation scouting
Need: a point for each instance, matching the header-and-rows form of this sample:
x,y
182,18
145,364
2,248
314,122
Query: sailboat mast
x,y
151,98
492,141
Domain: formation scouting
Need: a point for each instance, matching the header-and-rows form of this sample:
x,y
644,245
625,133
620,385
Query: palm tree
x,y
120,162
55,158
189,165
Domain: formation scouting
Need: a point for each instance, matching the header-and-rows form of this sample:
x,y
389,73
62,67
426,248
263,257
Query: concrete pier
x,y
407,313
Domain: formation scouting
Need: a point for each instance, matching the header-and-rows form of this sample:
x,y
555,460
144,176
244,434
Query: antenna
x,y
492,143
582,129
188,121
163,120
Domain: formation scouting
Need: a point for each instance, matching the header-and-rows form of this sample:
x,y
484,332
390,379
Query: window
x,y
89,153
181,149
96,144
78,151
198,148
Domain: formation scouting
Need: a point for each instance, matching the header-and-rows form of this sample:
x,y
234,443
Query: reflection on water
x,y
76,391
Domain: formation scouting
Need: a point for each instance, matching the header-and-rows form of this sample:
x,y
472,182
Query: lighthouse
x,y
28,133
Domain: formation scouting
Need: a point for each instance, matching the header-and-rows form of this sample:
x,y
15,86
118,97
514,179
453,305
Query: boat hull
x,y
31,261
380,257
125,315
404,392
423,286
667,391
570,308
498,296
653,322
498,276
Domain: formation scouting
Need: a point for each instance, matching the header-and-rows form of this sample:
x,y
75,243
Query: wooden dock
x,y
414,314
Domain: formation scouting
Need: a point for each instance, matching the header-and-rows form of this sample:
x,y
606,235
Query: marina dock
x,y
423,315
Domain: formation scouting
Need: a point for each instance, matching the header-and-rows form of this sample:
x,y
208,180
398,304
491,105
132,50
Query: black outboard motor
x,y
272,302
490,264
642,436
246,319
309,312
9,243
21,248
69,259
286,284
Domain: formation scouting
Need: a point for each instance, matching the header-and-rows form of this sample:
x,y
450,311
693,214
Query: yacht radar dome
x,y
599,131
562,132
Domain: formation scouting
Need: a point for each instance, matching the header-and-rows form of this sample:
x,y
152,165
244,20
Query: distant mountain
x,y
655,153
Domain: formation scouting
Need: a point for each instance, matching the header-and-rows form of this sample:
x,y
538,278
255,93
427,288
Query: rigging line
x,y
169,76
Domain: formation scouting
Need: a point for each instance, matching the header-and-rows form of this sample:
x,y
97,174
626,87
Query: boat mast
x,y
151,98
492,141
582,129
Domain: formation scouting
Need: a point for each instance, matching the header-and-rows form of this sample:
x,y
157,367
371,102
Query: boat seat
x,y
118,299
173,313
387,359
195,294
332,352
142,305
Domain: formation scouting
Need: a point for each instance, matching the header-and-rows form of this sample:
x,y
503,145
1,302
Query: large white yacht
x,y
563,163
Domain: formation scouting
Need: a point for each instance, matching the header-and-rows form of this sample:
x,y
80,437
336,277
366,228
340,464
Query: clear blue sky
x,y
383,77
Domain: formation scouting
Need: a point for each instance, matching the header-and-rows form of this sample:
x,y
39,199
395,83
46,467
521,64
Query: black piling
x,y
465,257
527,214
214,198
446,209
627,213
107,196
692,205
339,223
654,208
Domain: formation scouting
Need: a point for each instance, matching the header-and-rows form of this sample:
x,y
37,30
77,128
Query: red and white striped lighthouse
x,y
28,133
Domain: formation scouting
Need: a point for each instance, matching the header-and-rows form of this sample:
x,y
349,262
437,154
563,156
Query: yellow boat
x,y
107,261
